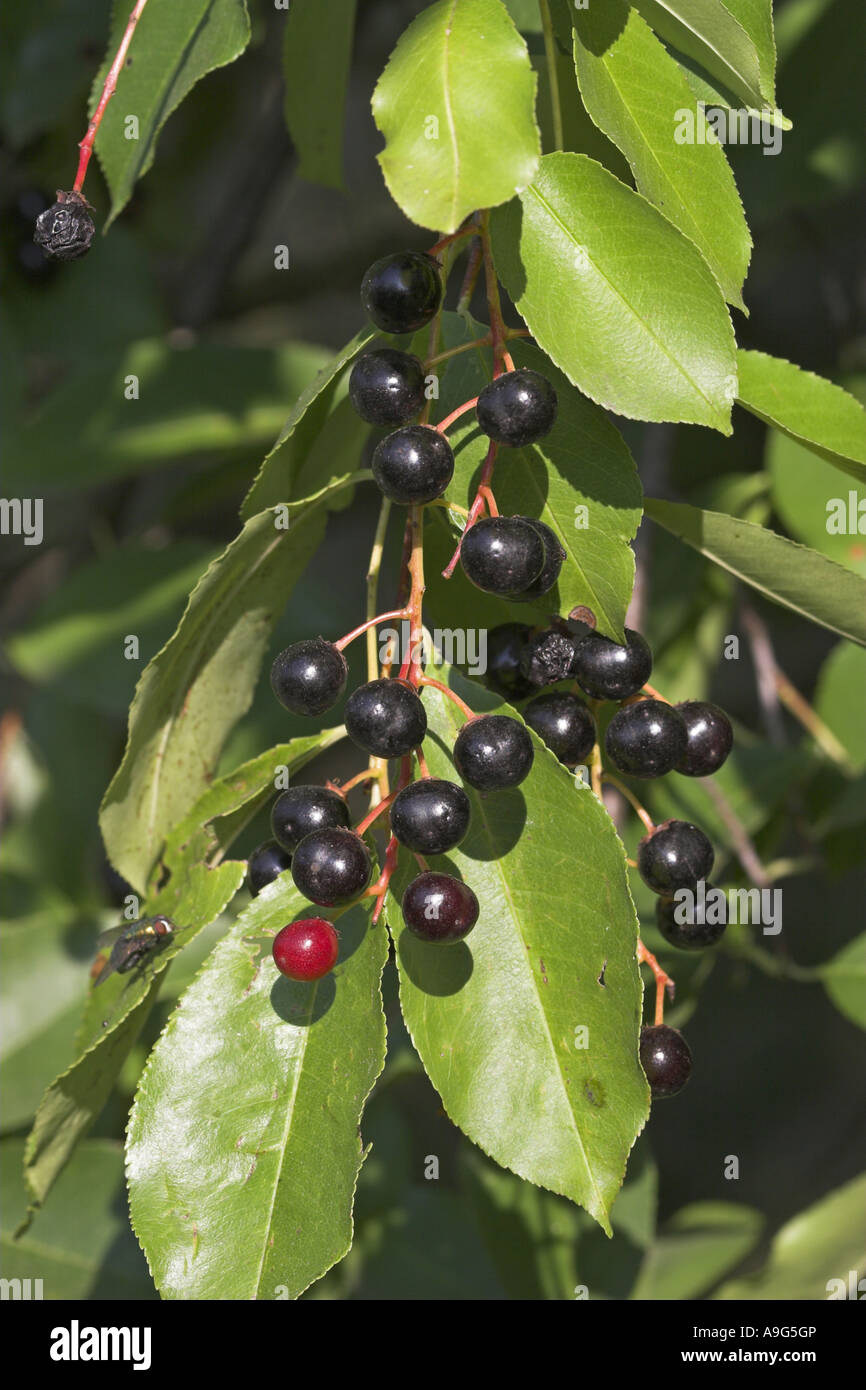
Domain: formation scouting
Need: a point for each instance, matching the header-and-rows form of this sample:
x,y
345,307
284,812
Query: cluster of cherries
x,y
516,558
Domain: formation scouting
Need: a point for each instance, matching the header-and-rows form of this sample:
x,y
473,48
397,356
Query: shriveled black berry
x,y
517,408
300,810
493,752
413,464
386,387
607,671
675,855
310,676
565,724
331,866
402,292
430,816
646,739
665,1058
437,907
265,864
505,645
65,230
710,738
553,558
502,555
700,927
547,657
386,718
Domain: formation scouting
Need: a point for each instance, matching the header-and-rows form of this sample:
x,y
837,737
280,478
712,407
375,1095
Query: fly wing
x,y
108,968
112,934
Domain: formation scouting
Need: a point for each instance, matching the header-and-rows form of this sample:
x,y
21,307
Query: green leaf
x,y
809,409
812,1256
317,58
196,689
228,804
707,31
243,1147
318,440
816,504
173,47
82,1247
114,1016
840,699
781,570
76,637
698,1247
844,978
459,72
636,94
192,402
638,322
495,1018
580,479
756,17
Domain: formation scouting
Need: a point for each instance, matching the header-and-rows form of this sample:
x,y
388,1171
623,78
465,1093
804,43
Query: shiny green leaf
x,y
809,409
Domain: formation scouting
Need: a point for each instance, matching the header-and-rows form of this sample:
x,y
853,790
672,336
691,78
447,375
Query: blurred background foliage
x,y
140,495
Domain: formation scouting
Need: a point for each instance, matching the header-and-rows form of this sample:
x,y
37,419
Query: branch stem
x,y
86,145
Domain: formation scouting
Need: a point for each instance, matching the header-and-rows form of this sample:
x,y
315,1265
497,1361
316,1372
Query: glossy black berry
x,y
298,811
402,292
646,739
553,558
65,230
674,856
665,1058
700,927
413,465
331,866
430,816
386,718
710,738
517,408
493,752
309,677
386,387
607,671
505,645
502,555
265,864
437,907
547,657
565,724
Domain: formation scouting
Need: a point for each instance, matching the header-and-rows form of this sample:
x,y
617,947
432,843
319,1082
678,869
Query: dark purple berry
x,y
554,556
565,725
309,677
413,465
547,657
386,387
665,1058
505,645
331,866
437,907
298,811
265,864
517,408
502,555
645,739
306,950
65,230
402,292
386,718
430,816
493,752
607,671
710,736
675,855
703,924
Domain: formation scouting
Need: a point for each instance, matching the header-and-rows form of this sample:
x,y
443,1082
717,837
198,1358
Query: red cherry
x,y
306,950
